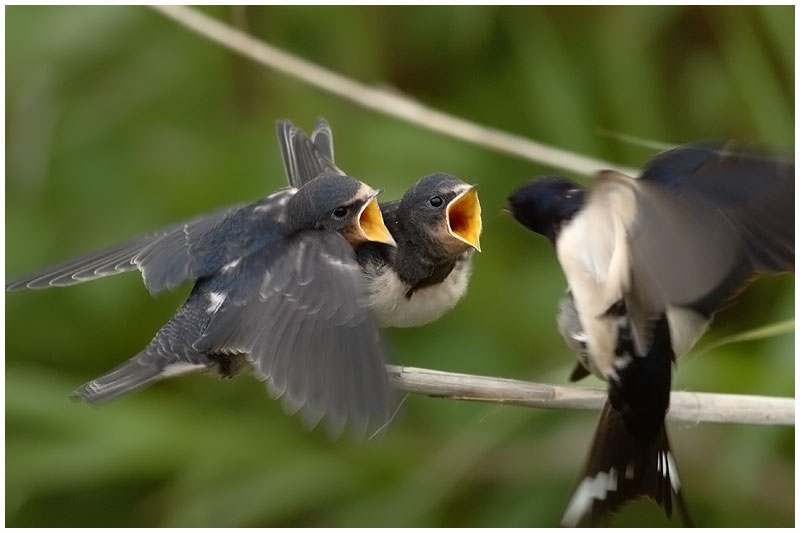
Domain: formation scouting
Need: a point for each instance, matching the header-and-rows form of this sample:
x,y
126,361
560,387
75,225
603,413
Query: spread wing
x,y
710,216
305,327
183,252
166,257
304,157
752,190
687,235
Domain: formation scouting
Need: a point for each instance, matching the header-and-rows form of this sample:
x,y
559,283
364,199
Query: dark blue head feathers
x,y
545,203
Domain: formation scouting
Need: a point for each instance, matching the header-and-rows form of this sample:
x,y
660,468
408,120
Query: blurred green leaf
x,y
764,332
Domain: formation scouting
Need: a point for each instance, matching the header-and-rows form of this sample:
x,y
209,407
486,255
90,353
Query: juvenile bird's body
x,y
276,285
172,352
402,303
427,273
648,262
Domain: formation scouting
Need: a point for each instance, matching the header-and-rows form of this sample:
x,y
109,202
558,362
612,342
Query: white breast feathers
x,y
388,296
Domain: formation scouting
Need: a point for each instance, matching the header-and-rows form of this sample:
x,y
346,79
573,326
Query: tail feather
x,y
621,468
304,157
130,376
630,455
322,137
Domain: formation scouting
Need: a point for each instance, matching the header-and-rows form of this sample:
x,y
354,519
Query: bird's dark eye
x,y
437,201
340,212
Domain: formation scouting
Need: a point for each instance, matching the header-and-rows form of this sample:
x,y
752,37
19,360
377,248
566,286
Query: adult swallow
x,y
276,286
648,262
436,225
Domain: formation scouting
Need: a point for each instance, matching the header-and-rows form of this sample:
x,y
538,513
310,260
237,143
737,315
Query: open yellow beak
x,y
371,225
464,218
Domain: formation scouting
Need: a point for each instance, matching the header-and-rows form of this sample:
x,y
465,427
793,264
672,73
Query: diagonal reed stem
x,y
694,407
383,101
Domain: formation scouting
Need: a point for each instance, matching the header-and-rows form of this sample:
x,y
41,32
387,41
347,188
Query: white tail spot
x,y
590,489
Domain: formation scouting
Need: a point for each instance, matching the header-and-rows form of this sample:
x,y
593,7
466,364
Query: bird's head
x,y
339,203
545,203
443,213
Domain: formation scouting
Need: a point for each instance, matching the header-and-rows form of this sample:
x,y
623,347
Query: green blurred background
x,y
119,121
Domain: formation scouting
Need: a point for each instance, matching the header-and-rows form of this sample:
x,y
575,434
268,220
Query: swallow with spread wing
x,y
648,262
277,286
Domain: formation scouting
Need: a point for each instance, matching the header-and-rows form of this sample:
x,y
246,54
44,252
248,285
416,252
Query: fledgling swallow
x,y
436,225
648,262
276,286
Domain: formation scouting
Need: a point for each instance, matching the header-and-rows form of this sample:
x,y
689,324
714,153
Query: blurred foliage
x,y
118,121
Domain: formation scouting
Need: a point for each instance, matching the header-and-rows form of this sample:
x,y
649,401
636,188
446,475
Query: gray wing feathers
x,y
309,334
750,191
164,257
708,216
174,258
304,157
680,250
107,262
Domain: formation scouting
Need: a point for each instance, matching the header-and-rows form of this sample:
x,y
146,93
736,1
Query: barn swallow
x,y
648,262
276,286
436,225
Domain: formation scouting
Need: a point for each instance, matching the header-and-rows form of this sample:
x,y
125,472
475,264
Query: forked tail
x,y
621,468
